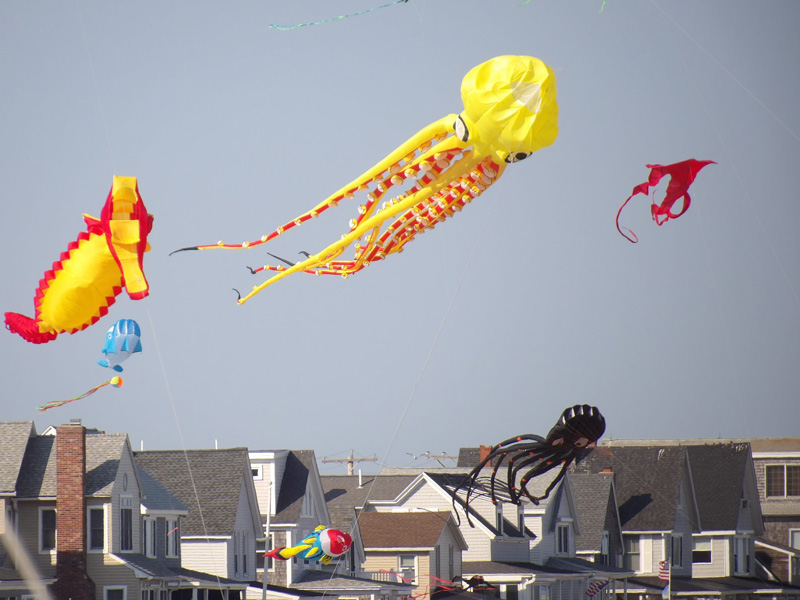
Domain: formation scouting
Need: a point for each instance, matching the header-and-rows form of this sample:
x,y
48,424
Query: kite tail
x,y
633,239
28,328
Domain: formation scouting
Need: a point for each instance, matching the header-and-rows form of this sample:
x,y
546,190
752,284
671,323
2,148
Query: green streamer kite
x,y
363,12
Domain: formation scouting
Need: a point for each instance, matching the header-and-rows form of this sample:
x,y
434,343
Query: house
x,y
292,504
220,531
777,465
600,539
76,508
691,508
422,548
503,541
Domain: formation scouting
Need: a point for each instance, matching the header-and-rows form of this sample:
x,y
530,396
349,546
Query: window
x,y
512,591
521,519
450,562
244,553
97,528
408,563
701,550
498,518
47,529
258,472
126,524
783,481
631,552
114,593
604,558
741,555
794,538
676,554
562,538
173,543
149,531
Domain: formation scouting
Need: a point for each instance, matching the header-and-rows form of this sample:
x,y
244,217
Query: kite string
x,y
149,316
96,86
180,431
727,72
356,14
726,150
414,388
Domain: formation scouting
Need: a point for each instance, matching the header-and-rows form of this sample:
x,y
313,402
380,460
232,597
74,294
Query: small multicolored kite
x,y
321,545
682,175
87,278
114,381
122,340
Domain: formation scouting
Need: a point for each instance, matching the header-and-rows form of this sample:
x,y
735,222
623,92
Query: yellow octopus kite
x,y
510,111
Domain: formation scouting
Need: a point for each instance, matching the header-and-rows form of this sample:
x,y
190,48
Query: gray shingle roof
x,y
14,437
592,494
718,475
647,481
343,494
38,471
156,496
207,479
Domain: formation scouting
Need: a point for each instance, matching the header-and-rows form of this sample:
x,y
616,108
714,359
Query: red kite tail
x,y
634,239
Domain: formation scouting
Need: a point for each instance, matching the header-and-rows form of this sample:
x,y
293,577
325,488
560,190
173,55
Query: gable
x,y
207,482
647,480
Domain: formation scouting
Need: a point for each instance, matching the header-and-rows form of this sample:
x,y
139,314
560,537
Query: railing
x,y
403,576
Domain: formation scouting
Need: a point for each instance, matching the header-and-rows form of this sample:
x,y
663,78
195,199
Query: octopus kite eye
x,y
461,129
581,442
517,156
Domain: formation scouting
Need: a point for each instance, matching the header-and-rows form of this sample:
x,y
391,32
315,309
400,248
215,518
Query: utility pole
x,y
350,460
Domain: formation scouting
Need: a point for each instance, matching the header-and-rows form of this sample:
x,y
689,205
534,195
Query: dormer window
x,y
498,518
562,538
173,544
521,519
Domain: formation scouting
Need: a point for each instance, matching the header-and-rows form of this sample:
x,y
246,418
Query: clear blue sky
x,y
525,303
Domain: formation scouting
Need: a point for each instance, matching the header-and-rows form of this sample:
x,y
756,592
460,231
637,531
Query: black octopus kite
x,y
527,456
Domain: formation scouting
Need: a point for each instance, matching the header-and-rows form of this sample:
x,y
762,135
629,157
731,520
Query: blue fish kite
x,y
122,340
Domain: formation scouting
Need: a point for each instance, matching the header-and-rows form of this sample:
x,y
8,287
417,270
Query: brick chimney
x,y
73,582
484,452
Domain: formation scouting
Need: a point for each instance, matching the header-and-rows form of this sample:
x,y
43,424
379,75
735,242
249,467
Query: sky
x,y
525,303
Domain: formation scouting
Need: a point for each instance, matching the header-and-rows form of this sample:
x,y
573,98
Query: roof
x,y
402,529
293,485
332,583
343,493
449,481
718,475
14,437
702,586
647,481
489,567
592,493
207,482
37,477
154,567
156,497
578,565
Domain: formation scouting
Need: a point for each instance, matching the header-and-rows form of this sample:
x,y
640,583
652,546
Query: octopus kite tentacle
x,y
528,456
510,111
